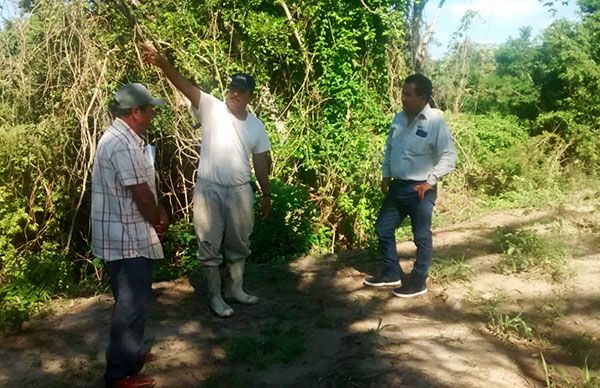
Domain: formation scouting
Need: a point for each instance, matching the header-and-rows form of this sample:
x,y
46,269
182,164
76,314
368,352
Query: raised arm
x,y
180,82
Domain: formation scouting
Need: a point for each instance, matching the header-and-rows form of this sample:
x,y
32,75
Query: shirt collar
x,y
123,127
426,112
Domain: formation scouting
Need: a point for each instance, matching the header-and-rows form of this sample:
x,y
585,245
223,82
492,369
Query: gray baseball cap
x,y
135,94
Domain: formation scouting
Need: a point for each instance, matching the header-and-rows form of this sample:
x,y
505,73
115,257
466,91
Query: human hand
x,y
161,230
421,189
385,185
151,56
163,225
265,207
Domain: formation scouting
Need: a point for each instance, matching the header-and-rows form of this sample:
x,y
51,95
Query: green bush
x,y
482,136
181,253
290,230
34,265
582,139
31,279
497,156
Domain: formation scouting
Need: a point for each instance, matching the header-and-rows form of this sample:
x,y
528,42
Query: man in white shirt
x,y
223,196
419,151
127,224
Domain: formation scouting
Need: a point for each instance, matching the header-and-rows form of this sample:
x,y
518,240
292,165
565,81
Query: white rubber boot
x,y
213,281
235,290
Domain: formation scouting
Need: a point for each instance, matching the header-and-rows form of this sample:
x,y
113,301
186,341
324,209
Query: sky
x,y
498,20
7,10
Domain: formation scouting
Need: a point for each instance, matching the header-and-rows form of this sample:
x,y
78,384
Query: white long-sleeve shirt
x,y
421,151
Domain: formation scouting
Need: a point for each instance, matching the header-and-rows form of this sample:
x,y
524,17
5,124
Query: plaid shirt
x,y
119,230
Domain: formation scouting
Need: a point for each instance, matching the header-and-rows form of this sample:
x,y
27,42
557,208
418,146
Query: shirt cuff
x,y
432,179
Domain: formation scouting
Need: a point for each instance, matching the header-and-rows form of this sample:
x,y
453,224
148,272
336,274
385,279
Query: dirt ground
x,y
351,335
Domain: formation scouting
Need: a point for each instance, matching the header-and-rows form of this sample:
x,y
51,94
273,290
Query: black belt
x,y
404,182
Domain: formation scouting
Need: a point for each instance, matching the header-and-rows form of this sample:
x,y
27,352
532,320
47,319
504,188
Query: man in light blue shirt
x,y
419,151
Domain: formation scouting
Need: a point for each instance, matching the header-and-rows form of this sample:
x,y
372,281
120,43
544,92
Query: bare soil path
x,y
322,327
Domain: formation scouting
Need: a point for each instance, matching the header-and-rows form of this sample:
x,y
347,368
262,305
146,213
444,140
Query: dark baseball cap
x,y
135,94
243,81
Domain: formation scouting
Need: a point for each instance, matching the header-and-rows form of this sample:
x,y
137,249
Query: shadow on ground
x,y
316,325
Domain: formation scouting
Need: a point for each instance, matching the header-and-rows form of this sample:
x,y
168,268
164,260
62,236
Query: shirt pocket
x,y
419,144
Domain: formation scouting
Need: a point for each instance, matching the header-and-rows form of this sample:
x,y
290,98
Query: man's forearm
x,y
150,212
146,204
262,170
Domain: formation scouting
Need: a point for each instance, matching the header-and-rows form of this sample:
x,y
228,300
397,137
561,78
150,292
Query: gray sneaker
x,y
383,281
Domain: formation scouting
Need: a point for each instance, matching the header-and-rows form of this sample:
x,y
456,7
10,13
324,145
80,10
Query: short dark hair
x,y
123,112
423,85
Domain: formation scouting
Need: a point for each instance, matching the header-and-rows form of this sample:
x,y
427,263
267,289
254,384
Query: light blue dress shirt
x,y
421,151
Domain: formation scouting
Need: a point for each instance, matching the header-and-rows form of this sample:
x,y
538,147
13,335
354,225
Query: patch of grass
x,y
446,270
372,337
348,375
525,249
490,305
229,380
556,377
504,324
584,349
547,311
375,331
329,321
274,345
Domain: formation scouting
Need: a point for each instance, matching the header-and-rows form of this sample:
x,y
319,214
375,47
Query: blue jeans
x,y
131,283
401,201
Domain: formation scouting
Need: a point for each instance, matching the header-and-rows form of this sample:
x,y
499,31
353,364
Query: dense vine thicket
x,y
329,76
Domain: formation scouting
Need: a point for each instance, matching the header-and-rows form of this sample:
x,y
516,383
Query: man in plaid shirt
x,y
127,225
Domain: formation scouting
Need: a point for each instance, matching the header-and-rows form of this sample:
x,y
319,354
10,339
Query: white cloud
x,y
499,10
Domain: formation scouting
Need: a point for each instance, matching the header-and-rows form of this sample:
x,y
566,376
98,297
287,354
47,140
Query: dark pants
x,y
401,201
131,283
